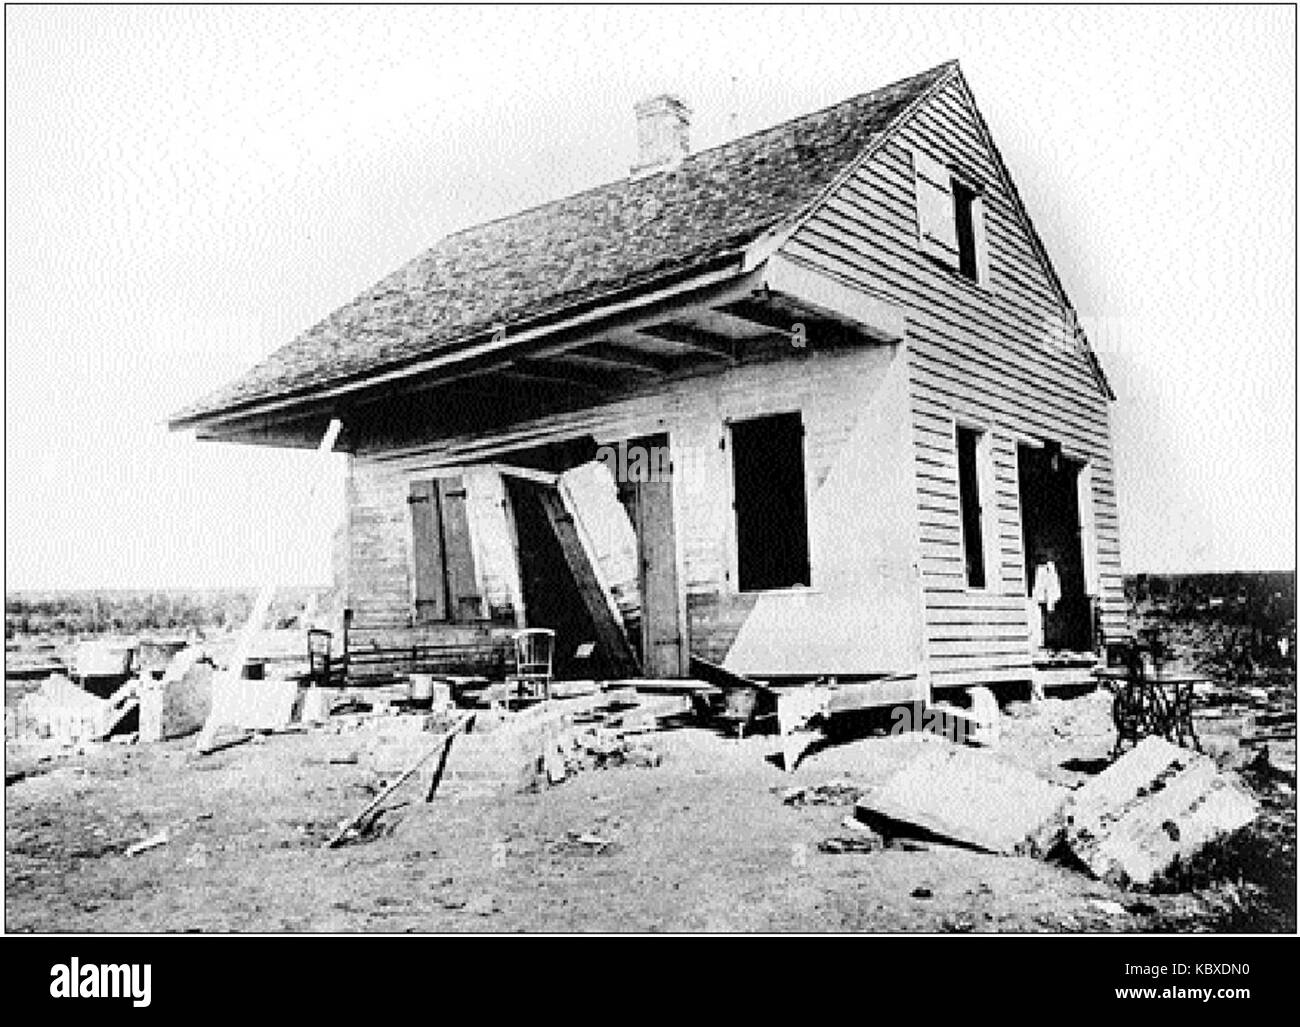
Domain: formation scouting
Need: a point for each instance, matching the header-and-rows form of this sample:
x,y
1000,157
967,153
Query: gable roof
x,y
577,249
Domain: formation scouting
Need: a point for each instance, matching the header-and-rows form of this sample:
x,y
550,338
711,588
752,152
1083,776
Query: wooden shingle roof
x,y
576,250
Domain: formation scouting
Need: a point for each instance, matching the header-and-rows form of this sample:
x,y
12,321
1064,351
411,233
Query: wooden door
x,y
663,646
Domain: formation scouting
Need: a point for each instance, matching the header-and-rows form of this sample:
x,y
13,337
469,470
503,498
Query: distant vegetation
x,y
1252,610
132,611
1237,625
1267,596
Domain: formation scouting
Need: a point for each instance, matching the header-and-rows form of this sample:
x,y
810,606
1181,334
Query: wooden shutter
x,y
463,598
936,215
1088,532
989,511
427,553
981,241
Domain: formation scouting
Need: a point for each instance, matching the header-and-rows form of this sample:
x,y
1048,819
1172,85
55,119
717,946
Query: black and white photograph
x,y
636,470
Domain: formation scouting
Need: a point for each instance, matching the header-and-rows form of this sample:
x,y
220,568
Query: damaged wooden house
x,y
809,404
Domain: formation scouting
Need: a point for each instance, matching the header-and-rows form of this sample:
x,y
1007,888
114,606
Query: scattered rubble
x,y
582,843
836,792
1201,837
867,841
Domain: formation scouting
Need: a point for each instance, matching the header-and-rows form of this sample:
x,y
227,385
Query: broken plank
x,y
664,686
890,690
796,709
795,744
718,676
152,842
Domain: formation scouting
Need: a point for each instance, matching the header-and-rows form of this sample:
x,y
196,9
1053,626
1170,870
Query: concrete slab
x,y
963,795
180,702
1157,803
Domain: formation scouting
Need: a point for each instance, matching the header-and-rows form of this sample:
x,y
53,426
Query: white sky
x,y
189,188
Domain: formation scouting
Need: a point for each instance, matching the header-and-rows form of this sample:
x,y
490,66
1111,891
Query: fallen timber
x,y
440,746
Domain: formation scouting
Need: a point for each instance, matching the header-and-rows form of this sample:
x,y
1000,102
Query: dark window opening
x,y
972,514
964,203
770,502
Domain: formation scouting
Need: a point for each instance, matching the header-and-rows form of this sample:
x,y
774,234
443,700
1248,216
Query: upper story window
x,y
950,218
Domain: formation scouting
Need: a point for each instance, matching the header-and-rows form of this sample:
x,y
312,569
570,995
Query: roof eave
x,y
498,340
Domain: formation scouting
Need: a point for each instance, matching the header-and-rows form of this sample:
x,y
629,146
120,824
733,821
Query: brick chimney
x,y
662,133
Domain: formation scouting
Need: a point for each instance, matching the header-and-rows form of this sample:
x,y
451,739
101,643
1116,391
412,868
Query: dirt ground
x,y
703,842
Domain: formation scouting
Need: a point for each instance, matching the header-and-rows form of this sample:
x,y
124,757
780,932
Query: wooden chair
x,y
534,650
323,669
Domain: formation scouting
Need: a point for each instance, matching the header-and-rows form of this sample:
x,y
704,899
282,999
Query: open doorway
x,y
597,552
561,590
1052,533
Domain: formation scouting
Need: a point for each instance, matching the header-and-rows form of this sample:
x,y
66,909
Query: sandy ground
x,y
704,842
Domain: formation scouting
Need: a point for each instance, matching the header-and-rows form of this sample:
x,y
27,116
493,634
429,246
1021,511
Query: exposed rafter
x,y
623,356
711,343
550,372
767,311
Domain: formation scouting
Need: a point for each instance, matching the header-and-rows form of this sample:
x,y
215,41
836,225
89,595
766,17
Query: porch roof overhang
x,y
711,317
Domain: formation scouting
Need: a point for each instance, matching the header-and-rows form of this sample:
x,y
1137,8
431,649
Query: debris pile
x,y
550,742
64,713
600,748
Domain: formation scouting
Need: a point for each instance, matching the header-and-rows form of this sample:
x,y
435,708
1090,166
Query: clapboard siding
x,y
831,388
892,258
1022,349
988,355
841,228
